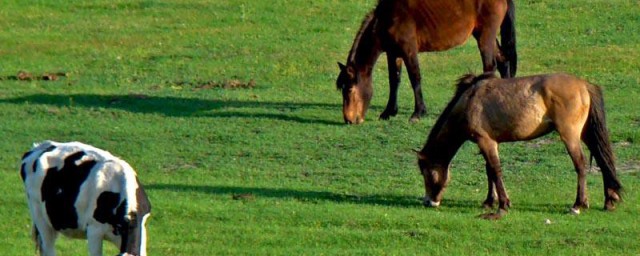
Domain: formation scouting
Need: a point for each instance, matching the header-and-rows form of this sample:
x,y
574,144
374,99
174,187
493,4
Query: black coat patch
x,y
110,210
60,190
23,172
49,149
27,154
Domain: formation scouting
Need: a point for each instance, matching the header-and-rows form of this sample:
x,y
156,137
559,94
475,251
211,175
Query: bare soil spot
x,y
226,84
623,167
26,76
243,197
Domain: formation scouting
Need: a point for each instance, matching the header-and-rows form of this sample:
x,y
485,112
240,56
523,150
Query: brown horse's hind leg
x,y
487,46
413,69
489,149
395,69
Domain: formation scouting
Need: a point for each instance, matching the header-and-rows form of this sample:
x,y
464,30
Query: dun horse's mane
x,y
464,83
363,27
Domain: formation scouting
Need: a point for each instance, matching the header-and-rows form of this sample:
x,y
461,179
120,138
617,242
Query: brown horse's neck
x,y
366,48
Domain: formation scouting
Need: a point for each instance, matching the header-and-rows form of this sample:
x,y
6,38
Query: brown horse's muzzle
x,y
354,108
353,119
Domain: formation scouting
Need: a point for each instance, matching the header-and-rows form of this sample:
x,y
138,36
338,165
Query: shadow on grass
x,y
300,195
183,107
382,200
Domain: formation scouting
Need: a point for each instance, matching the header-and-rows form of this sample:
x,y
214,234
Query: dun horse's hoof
x,y
428,203
494,215
487,206
609,207
575,211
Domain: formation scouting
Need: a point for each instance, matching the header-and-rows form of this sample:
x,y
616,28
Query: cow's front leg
x,y
95,235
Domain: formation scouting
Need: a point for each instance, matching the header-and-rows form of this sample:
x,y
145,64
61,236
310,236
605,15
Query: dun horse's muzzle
x,y
426,201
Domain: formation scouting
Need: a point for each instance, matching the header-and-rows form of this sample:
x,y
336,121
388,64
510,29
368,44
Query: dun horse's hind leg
x,y
395,70
489,149
574,149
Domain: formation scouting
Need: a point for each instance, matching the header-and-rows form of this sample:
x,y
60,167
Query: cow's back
x,y
74,184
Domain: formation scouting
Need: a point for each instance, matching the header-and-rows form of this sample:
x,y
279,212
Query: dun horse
x,y
403,28
489,110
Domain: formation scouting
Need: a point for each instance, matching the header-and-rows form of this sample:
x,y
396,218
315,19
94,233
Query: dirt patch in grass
x,y
225,84
623,167
26,76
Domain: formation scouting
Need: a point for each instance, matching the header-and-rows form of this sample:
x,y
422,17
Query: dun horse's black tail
x,y
596,136
508,42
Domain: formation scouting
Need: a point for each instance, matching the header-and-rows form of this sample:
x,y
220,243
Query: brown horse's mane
x,y
363,27
463,84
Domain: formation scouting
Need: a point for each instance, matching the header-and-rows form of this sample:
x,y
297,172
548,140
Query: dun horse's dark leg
x,y
489,149
491,192
413,68
395,70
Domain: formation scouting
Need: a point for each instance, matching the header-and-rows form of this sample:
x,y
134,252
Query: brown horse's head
x,y
356,93
436,177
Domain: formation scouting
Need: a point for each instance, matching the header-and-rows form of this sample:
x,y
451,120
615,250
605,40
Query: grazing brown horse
x,y
489,110
403,28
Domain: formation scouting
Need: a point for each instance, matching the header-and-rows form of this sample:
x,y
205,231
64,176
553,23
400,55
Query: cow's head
x,y
134,233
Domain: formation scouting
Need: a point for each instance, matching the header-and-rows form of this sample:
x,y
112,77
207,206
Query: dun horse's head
x,y
436,177
356,93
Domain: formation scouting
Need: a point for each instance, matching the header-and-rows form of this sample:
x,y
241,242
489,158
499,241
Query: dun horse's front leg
x,y
395,69
489,149
491,192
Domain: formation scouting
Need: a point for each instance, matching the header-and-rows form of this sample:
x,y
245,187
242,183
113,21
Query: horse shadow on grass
x,y
184,107
237,192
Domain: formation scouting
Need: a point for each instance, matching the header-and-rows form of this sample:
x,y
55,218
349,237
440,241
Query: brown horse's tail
x,y
508,42
596,136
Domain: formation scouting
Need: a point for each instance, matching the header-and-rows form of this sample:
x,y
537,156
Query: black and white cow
x,y
84,192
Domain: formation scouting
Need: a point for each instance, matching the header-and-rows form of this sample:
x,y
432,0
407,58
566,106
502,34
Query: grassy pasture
x,y
271,169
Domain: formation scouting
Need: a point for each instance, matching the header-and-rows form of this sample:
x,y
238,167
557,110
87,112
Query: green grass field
x,y
271,169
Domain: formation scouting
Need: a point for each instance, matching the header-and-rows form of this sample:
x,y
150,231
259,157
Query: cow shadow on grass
x,y
185,107
254,193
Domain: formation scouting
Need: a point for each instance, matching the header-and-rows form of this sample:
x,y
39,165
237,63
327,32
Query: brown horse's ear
x,y
341,66
351,72
421,156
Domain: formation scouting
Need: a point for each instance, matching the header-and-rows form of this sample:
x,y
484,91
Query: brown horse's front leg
x,y
395,69
489,149
413,68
